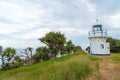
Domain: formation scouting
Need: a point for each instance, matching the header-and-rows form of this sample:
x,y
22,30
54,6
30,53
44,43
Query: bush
x,y
115,49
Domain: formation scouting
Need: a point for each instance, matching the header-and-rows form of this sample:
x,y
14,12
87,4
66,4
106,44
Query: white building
x,y
98,44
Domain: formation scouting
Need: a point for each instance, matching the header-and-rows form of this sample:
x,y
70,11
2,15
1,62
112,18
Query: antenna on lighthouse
x,y
96,19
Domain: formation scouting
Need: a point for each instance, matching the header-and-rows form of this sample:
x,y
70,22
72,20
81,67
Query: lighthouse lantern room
x,y
98,44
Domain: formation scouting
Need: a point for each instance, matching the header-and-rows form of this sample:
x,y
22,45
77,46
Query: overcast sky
x,y
22,22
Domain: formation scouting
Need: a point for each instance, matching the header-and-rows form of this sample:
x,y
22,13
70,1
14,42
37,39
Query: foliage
x,y
114,44
10,59
41,54
77,48
18,61
2,56
69,48
27,54
55,42
115,49
88,49
9,53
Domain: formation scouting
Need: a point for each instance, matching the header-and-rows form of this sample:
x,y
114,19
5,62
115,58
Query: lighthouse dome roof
x,y
97,26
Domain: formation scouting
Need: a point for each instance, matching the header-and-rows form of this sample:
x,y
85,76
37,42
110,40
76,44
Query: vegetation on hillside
x,y
115,58
77,66
114,45
56,45
9,58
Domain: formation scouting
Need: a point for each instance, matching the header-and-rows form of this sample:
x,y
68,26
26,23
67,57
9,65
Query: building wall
x,y
99,46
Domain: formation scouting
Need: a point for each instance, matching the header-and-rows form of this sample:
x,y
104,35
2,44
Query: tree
x,y
88,49
77,48
2,56
41,54
70,47
114,44
55,42
30,51
56,45
9,53
27,54
18,61
8,57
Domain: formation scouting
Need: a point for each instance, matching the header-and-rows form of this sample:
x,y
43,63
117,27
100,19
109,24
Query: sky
x,y
22,22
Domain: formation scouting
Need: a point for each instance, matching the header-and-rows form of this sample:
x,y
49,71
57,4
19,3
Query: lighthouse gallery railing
x,y
102,33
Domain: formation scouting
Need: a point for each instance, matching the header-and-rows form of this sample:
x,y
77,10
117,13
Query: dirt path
x,y
109,70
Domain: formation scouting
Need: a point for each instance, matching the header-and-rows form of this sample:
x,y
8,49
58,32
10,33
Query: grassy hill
x,y
79,66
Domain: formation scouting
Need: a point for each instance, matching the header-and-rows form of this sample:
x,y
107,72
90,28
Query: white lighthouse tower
x,y
98,37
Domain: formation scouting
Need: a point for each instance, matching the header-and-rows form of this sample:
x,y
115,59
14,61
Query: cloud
x,y
6,28
37,33
114,20
23,22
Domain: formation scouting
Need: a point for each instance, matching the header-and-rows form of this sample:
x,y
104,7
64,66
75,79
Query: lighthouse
x,y
98,37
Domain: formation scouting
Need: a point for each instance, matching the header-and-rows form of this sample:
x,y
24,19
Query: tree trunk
x,y
31,61
3,61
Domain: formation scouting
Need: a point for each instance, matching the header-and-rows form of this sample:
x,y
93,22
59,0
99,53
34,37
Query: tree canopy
x,y
114,44
55,42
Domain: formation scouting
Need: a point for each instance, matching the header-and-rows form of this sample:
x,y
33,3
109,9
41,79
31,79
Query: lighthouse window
x,y
102,46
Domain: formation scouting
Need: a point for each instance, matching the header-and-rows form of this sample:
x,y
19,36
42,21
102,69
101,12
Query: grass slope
x,y
72,67
115,57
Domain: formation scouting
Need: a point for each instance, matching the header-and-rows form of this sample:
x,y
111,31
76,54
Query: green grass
x,y
71,67
115,57
94,58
